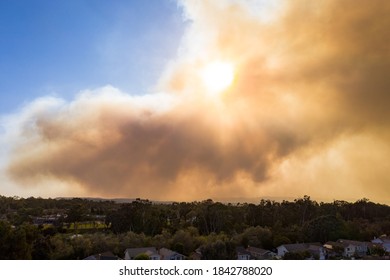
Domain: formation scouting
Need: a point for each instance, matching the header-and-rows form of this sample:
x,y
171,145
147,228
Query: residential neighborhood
x,y
309,250
98,229
332,250
152,253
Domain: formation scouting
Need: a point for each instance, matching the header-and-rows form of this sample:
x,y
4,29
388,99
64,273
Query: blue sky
x,y
62,47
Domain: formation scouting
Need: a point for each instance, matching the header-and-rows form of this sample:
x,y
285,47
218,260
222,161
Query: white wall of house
x,y
386,246
176,257
349,251
384,242
154,257
243,257
281,250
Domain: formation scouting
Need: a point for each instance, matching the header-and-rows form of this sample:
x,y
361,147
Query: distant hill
x,y
234,200
117,200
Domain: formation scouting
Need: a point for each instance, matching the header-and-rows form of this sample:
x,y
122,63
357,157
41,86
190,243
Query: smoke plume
x,y
307,112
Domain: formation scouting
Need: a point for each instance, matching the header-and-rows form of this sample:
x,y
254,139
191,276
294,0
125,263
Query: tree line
x,y
214,228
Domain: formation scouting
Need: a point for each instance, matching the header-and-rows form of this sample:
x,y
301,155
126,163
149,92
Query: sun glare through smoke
x,y
218,76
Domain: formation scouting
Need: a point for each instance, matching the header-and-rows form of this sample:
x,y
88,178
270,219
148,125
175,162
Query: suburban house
x,y
383,241
253,253
166,254
103,256
131,253
347,248
243,254
46,220
334,249
153,253
197,255
314,249
260,254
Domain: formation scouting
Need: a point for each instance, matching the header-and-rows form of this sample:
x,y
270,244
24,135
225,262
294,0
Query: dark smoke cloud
x,y
311,92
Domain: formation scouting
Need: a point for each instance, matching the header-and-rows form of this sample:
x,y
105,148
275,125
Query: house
x,y
243,254
132,253
260,254
383,241
334,249
166,254
46,220
347,248
285,248
197,255
354,248
103,256
153,253
315,250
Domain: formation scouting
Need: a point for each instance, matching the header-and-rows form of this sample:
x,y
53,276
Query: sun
x,y
217,76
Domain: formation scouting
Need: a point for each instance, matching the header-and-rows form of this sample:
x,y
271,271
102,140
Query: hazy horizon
x,y
253,200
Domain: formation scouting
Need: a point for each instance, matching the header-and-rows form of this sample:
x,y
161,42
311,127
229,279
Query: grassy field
x,y
86,226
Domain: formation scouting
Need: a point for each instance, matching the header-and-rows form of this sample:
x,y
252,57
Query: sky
x,y
62,47
193,99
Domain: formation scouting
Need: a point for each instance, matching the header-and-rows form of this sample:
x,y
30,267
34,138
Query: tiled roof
x,y
133,252
166,253
258,251
335,244
352,242
298,247
242,251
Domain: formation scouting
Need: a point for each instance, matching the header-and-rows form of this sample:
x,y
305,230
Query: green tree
x,y
41,249
76,214
257,237
279,240
297,255
219,250
5,236
142,256
323,229
378,251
